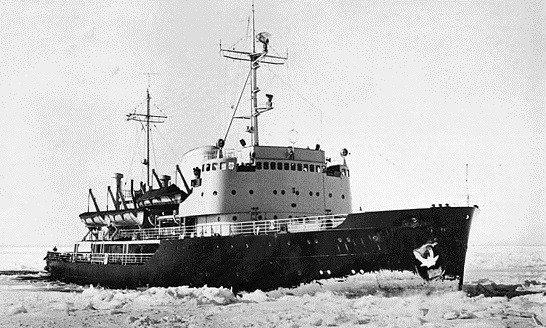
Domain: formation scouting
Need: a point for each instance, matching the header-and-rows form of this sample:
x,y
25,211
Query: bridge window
x,y
266,165
279,165
311,168
259,165
300,167
286,166
273,165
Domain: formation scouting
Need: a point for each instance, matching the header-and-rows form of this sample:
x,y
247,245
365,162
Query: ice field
x,y
382,299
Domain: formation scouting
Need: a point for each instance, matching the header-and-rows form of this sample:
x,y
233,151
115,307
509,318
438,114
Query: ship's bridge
x,y
262,182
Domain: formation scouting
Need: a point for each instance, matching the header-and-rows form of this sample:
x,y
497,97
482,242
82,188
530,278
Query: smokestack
x,y
117,177
165,180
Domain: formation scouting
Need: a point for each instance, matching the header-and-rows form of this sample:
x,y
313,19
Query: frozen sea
x,y
381,299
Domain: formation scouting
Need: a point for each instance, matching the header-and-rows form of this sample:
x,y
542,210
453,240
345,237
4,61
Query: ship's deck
x,y
292,225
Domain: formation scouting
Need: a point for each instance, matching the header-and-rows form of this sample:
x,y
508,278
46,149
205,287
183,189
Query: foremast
x,y
147,119
255,59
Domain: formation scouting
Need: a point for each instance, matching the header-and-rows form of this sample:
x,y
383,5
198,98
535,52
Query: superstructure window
x,y
300,167
266,165
311,168
279,165
286,166
258,165
273,165
306,167
293,166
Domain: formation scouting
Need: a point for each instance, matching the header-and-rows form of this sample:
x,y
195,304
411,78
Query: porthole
x,y
342,196
293,204
233,192
282,192
297,192
218,219
274,192
317,193
310,193
260,217
251,191
330,195
202,194
275,217
234,218
214,193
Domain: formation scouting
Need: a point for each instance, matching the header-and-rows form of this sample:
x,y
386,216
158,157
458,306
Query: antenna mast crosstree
x,y
255,58
147,119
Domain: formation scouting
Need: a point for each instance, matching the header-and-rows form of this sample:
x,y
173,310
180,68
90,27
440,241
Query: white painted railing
x,y
290,225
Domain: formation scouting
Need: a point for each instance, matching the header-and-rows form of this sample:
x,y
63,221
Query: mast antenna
x,y
147,119
255,58
467,192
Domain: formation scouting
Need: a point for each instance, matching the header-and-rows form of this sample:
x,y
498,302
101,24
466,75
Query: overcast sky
x,y
415,90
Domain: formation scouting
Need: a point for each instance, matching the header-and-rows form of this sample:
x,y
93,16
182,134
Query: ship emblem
x,y
427,261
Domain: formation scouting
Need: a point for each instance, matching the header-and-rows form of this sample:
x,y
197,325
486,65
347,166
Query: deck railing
x,y
290,225
101,258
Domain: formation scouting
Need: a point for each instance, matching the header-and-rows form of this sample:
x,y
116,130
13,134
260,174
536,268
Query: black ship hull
x,y
364,242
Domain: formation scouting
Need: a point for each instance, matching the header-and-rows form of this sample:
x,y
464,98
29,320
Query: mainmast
x,y
255,58
147,119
